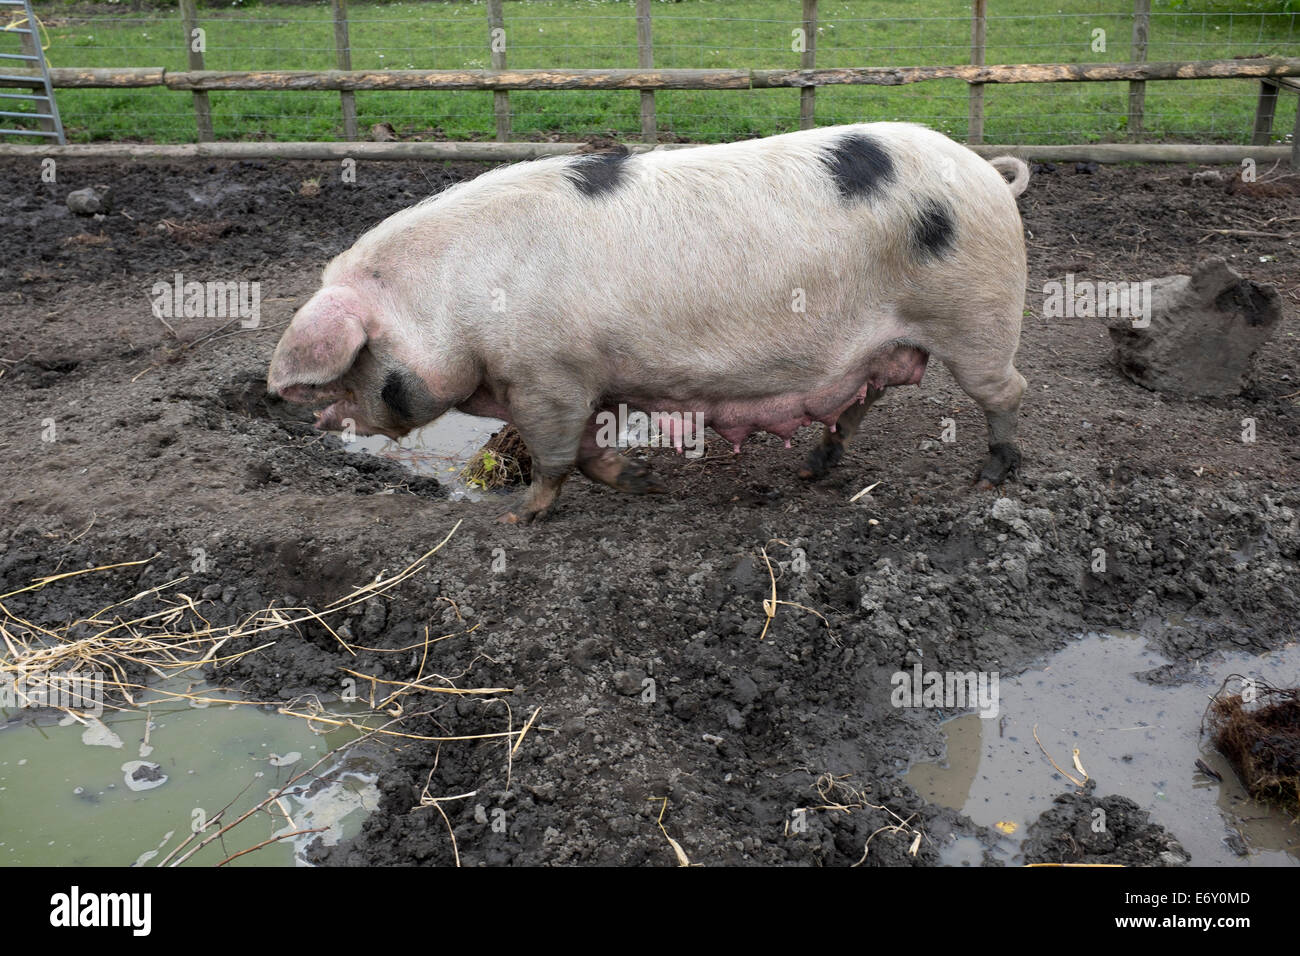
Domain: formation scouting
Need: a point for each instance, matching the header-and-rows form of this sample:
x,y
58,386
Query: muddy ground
x,y
164,443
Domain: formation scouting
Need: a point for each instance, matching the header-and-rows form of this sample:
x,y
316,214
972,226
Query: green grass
x,y
694,33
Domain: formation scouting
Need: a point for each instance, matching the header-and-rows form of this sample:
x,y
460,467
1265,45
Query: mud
x,y
1068,833
1124,721
634,623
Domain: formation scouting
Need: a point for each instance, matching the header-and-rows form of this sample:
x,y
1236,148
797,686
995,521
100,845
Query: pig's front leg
x,y
537,500
552,428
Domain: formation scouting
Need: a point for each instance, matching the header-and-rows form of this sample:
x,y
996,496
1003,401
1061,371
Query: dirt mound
x,y
1080,828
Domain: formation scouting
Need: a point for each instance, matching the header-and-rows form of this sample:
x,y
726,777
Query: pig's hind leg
x,y
608,467
828,454
997,390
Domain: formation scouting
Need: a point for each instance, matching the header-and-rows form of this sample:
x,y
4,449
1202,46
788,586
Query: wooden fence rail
x,y
333,80
1271,71
494,152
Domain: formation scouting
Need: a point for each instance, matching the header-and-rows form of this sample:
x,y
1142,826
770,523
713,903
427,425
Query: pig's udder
x,y
784,414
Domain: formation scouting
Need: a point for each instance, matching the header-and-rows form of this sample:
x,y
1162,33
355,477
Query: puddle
x,y
99,795
439,450
1136,739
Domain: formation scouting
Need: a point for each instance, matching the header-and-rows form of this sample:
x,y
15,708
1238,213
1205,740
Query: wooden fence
x,y
1271,72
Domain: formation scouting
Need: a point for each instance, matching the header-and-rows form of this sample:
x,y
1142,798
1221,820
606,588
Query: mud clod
x,y
1198,334
1082,828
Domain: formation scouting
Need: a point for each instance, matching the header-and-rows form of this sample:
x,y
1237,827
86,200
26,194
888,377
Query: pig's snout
x,y
339,416
311,394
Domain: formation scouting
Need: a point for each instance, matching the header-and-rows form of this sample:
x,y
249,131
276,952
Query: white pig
x,y
764,285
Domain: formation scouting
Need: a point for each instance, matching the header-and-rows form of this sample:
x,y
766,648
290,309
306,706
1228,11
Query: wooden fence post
x,y
808,61
1295,142
497,49
645,59
202,109
1264,110
1137,89
975,114
343,56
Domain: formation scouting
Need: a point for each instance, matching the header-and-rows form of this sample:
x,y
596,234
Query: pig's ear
x,y
321,342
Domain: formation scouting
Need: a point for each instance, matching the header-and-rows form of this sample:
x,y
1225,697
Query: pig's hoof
x,y
821,460
1003,463
636,478
524,516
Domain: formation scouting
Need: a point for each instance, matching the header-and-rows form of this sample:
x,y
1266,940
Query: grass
x,y
694,33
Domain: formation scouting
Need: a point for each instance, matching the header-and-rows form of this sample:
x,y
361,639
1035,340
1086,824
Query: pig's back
x,y
818,243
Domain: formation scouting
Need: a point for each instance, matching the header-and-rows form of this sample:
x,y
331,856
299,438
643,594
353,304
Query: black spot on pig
x,y
598,173
394,396
860,166
934,233
407,397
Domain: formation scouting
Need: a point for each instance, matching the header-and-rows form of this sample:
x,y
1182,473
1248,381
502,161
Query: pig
x,y
763,285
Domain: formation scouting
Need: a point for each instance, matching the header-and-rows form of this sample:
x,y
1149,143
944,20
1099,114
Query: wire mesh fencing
x,y
726,34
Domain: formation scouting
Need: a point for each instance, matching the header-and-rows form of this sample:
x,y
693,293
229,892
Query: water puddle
x,y
1135,738
439,450
131,786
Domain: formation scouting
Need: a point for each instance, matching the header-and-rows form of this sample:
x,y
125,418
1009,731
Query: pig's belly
x,y
783,413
